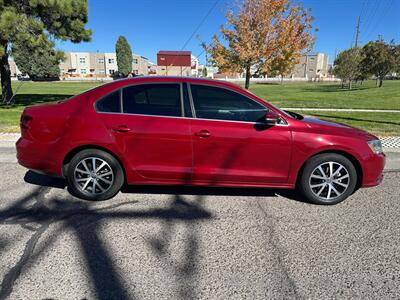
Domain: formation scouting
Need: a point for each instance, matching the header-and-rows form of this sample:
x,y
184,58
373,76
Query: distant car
x,y
188,131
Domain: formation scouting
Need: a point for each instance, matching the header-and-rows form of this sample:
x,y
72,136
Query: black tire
x,y
101,156
312,164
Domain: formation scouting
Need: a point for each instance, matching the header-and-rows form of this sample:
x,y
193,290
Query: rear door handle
x,y
203,133
121,128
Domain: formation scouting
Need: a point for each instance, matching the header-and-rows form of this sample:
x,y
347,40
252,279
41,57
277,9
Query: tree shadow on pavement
x,y
37,211
79,217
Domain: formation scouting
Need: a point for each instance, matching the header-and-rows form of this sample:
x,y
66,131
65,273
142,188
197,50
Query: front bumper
x,y
373,170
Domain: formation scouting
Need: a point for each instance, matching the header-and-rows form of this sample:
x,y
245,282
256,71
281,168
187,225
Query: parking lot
x,y
185,243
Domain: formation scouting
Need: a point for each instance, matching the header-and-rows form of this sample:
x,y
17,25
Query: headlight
x,y
376,146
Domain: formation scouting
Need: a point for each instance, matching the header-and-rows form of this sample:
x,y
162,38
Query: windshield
x,y
288,114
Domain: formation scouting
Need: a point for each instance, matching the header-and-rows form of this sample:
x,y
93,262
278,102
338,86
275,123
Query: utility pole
x,y
357,32
95,62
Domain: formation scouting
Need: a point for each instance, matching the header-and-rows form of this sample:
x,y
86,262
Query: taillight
x,y
25,121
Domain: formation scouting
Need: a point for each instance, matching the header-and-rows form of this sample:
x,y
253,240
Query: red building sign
x,y
174,58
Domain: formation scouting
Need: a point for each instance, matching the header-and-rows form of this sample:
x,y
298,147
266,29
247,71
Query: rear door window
x,y
153,100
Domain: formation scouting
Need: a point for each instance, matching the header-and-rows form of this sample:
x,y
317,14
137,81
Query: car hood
x,y
329,127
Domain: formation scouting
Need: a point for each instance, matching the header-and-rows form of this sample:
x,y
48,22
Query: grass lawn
x,y
38,92
29,93
310,95
381,124
331,95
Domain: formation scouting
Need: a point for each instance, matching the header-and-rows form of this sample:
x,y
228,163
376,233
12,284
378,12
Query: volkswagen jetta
x,y
187,131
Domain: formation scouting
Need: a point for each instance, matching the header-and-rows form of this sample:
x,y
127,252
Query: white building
x,y
86,64
194,66
111,63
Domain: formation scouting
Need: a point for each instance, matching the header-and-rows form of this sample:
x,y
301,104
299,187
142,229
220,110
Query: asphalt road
x,y
190,243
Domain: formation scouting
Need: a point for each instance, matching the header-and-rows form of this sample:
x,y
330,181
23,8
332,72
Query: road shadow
x,y
214,191
44,180
37,211
84,219
60,183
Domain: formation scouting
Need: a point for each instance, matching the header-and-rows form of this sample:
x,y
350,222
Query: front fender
x,y
306,146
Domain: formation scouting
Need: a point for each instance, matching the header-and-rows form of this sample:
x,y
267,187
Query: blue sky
x,y
153,25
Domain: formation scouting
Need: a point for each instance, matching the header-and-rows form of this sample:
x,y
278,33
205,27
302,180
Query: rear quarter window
x,y
110,103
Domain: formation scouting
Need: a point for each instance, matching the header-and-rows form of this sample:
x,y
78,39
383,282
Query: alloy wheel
x,y
329,180
93,175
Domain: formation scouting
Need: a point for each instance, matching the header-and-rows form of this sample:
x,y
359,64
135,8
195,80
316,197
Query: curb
x,y
9,137
392,171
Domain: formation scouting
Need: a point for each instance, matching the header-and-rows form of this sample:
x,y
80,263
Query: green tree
x,y
347,65
124,56
396,55
283,64
39,60
378,60
25,21
204,72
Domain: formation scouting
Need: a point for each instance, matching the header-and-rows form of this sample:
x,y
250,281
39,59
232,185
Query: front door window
x,y
222,104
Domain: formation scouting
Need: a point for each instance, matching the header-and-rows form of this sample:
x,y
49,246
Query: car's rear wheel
x,y
328,178
94,175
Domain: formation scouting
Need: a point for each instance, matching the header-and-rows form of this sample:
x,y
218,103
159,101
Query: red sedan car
x,y
187,131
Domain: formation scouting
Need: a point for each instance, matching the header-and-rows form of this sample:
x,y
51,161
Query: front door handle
x,y
203,133
121,128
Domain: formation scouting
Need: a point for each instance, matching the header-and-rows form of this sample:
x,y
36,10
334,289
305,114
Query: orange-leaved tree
x,y
259,33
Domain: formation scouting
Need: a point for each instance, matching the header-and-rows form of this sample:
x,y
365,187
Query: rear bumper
x,y
37,156
373,170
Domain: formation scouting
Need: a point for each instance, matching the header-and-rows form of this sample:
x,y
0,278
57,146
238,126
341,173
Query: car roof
x,y
153,79
121,83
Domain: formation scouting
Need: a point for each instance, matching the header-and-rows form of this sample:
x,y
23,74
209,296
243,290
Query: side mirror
x,y
271,118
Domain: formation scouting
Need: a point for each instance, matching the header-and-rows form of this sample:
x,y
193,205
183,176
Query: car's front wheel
x,y
94,175
328,178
